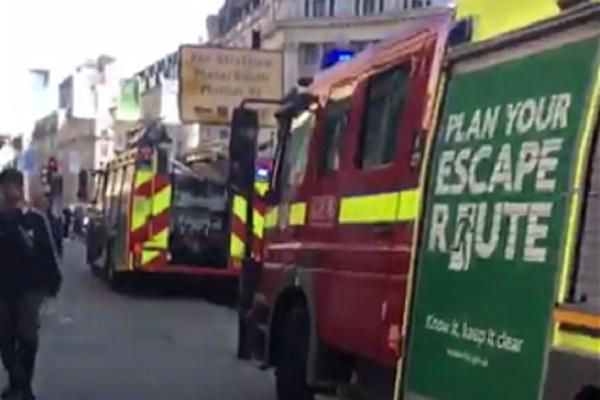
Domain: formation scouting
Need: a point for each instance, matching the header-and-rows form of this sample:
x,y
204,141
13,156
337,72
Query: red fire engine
x,y
325,306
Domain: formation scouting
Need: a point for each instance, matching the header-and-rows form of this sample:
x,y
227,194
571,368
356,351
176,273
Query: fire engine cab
x,y
325,305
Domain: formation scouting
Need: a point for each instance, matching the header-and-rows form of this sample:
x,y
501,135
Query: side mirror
x,y
242,148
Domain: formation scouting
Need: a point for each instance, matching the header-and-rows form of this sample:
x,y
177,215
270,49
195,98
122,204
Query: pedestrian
x,y
78,222
29,275
43,204
67,215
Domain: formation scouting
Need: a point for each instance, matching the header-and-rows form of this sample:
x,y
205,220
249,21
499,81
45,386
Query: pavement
x,y
146,345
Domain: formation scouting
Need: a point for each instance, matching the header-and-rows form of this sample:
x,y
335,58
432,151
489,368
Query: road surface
x,y
98,345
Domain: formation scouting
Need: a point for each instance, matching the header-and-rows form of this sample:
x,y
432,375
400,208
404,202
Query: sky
x,y
60,34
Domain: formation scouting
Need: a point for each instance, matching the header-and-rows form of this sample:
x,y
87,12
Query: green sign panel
x,y
494,225
128,107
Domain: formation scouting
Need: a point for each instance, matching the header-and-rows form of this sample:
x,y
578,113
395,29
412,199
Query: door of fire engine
x,y
363,193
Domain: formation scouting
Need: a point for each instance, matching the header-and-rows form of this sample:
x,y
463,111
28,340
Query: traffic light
x,y
52,165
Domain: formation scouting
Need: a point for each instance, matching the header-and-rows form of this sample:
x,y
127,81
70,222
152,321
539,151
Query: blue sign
x,y
336,56
29,161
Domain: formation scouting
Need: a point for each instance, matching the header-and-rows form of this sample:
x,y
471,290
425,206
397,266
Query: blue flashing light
x,y
262,173
336,56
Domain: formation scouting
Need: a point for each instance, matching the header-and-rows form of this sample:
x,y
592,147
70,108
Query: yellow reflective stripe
x,y
142,205
162,200
271,218
149,255
160,240
261,188
377,208
239,210
258,222
236,247
577,341
142,208
297,214
239,207
578,183
409,205
143,177
369,209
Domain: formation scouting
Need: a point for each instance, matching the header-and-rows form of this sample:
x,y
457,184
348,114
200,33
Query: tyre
x,y
113,277
292,357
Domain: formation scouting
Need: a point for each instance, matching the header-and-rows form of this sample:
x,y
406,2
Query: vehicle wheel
x,y
113,277
292,357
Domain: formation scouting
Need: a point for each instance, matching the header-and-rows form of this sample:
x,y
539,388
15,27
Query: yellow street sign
x,y
213,81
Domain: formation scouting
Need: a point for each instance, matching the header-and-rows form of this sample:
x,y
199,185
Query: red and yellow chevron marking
x,y
237,245
150,218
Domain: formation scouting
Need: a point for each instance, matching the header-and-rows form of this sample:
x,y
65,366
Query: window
x,y
384,108
127,185
199,216
368,7
256,39
337,115
310,53
359,46
296,152
421,3
104,150
110,182
116,197
327,47
99,190
319,8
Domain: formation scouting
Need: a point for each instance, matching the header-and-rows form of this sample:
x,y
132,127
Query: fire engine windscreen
x,y
199,234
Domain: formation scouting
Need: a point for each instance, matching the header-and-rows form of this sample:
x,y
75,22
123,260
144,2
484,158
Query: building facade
x,y
306,29
159,99
43,146
85,138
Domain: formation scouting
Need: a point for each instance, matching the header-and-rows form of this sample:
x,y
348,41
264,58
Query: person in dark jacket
x,y
43,205
29,274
